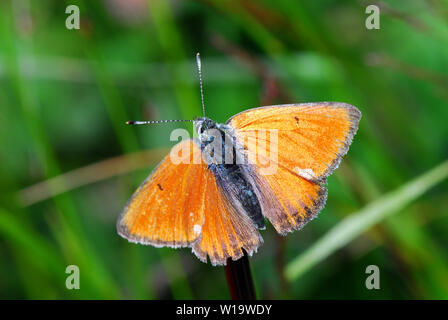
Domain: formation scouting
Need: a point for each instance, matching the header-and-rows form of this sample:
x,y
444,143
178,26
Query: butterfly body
x,y
264,163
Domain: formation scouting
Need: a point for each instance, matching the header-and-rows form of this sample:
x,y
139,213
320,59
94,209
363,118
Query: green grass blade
x,y
351,227
32,243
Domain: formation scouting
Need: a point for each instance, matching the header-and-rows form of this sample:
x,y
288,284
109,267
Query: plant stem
x,y
239,279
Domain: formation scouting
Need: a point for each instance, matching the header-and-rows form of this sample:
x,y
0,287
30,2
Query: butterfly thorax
x,y
203,124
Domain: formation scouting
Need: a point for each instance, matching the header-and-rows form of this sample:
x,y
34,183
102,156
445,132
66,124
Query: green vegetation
x,y
69,163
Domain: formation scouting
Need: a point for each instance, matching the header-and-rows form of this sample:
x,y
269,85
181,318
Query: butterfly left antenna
x,y
155,121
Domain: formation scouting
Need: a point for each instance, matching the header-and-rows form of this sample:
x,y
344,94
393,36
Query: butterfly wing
x,y
226,231
288,200
311,140
181,205
168,209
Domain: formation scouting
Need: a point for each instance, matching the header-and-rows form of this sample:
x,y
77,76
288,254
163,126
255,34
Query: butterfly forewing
x,y
312,138
168,209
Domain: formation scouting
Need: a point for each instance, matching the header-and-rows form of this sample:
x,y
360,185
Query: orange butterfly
x,y
215,206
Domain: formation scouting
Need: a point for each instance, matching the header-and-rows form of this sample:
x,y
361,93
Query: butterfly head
x,y
203,124
205,128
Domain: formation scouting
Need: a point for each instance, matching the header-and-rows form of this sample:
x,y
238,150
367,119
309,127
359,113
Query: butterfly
x,y
217,206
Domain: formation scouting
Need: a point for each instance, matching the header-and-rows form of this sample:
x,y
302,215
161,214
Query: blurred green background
x,y
69,163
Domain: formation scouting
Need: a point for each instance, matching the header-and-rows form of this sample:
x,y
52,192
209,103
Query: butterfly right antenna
x,y
198,61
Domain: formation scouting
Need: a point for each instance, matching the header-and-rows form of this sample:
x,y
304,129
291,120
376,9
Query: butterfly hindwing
x,y
226,231
287,200
182,204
